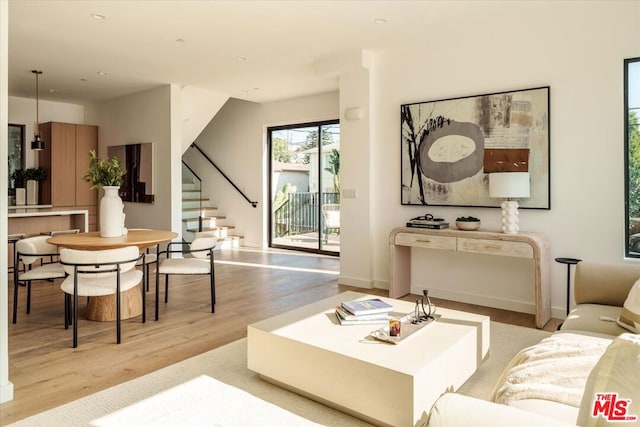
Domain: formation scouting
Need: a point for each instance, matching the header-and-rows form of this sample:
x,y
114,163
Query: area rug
x,y
227,365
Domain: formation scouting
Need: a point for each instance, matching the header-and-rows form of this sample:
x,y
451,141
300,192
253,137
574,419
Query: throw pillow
x,y
611,394
630,316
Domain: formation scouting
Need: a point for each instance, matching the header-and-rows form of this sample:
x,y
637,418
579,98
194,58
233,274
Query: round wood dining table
x,y
103,308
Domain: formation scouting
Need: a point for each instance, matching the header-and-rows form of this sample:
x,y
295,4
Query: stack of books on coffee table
x,y
362,312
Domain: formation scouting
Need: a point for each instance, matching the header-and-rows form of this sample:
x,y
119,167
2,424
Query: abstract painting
x,y
449,146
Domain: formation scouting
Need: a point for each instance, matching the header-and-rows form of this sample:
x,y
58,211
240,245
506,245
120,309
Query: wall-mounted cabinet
x,y
66,160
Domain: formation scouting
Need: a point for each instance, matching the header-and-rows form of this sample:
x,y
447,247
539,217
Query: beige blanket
x,y
555,369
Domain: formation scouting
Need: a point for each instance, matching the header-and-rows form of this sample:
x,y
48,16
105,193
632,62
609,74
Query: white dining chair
x,y
30,254
197,258
99,273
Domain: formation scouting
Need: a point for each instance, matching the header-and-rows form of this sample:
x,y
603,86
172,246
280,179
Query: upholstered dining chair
x,y
197,258
99,273
29,252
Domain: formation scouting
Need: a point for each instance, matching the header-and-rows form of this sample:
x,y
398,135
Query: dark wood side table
x,y
569,262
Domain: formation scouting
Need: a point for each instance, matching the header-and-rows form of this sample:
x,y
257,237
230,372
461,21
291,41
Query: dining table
x,y
103,308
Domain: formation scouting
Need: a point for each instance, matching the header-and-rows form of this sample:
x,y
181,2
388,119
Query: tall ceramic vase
x,y
111,213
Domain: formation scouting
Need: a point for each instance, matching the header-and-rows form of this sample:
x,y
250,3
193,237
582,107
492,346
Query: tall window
x,y
632,155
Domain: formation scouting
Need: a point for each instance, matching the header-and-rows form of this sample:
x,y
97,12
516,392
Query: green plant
x,y
18,177
35,174
104,173
467,219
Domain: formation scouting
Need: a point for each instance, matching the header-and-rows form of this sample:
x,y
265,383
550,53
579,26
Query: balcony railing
x,y
300,213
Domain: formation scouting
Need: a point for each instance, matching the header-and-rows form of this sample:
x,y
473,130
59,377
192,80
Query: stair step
x,y
205,208
205,218
195,200
223,227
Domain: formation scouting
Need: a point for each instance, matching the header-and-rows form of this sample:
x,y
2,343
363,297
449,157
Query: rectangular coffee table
x,y
307,351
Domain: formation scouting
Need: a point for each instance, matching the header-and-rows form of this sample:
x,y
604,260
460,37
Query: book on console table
x,y
368,306
438,226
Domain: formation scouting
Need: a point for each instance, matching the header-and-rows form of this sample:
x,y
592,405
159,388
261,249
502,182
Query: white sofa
x,y
555,382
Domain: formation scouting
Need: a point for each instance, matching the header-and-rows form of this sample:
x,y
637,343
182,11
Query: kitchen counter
x,y
32,220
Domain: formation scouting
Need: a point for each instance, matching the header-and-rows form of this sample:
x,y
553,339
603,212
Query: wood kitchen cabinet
x,y
66,160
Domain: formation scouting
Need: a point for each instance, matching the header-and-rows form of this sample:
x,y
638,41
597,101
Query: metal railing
x,y
299,213
254,204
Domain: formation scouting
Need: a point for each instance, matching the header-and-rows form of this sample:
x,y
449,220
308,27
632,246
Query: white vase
x,y
20,196
32,192
111,213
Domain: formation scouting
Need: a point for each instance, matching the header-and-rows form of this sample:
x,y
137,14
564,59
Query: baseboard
x,y
353,281
6,392
483,300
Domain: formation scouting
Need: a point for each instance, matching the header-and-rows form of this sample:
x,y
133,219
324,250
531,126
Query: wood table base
x,y
103,309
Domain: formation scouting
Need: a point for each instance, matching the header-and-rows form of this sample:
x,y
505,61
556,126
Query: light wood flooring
x,y
251,285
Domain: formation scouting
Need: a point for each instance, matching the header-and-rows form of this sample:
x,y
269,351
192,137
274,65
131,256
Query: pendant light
x,y
37,143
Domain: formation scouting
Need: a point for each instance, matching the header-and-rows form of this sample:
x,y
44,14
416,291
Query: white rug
x,y
227,364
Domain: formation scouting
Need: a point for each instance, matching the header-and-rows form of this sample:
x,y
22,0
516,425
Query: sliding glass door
x,y
305,187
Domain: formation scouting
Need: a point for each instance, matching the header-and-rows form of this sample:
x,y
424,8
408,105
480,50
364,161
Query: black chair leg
x,y
166,288
157,293
213,292
75,320
15,301
144,288
29,297
66,310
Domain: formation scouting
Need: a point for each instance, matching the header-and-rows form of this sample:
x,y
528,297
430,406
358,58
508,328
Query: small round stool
x,y
569,262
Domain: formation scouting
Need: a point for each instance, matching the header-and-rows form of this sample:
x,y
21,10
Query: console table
x,y
522,245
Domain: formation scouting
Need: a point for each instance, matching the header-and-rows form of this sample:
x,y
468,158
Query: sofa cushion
x,y
555,410
613,384
597,318
630,316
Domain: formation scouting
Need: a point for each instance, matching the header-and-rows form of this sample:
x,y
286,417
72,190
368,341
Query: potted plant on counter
x,y
32,177
108,175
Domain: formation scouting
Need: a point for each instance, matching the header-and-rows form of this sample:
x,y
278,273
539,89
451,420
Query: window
x,y
632,155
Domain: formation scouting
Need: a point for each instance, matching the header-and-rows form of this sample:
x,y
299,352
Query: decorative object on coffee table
x,y
108,174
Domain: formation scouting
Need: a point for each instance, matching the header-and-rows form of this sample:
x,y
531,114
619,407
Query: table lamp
x,y
509,185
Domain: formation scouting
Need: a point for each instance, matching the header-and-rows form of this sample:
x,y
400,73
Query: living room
x,y
470,48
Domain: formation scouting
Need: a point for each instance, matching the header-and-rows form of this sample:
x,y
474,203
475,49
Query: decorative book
x,y
368,306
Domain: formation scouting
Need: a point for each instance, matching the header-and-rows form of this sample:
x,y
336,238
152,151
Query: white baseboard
x,y
353,281
483,300
6,392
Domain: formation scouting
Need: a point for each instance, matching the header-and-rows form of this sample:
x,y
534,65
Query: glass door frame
x,y
270,235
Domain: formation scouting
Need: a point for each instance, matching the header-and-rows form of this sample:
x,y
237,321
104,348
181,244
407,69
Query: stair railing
x,y
189,175
254,204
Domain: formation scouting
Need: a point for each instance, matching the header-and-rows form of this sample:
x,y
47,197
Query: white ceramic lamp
x,y
509,185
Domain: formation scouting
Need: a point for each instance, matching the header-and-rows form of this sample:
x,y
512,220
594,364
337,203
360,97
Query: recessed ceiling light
x,y
180,40
241,58
52,90
102,73
83,80
98,16
380,21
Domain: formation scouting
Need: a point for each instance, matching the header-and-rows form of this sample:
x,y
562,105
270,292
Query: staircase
x,y
194,205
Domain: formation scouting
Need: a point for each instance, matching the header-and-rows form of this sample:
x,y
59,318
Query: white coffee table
x,y
307,351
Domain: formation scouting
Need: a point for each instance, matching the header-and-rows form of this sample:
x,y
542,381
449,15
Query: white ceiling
x,y
137,43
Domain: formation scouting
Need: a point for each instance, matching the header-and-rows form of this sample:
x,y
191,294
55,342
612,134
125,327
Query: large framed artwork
x,y
449,147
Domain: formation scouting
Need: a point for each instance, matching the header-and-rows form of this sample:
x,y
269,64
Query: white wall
x,y
236,141
6,387
22,111
144,117
577,48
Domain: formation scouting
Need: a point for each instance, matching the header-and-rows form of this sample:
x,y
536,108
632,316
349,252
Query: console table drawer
x,y
495,247
426,241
